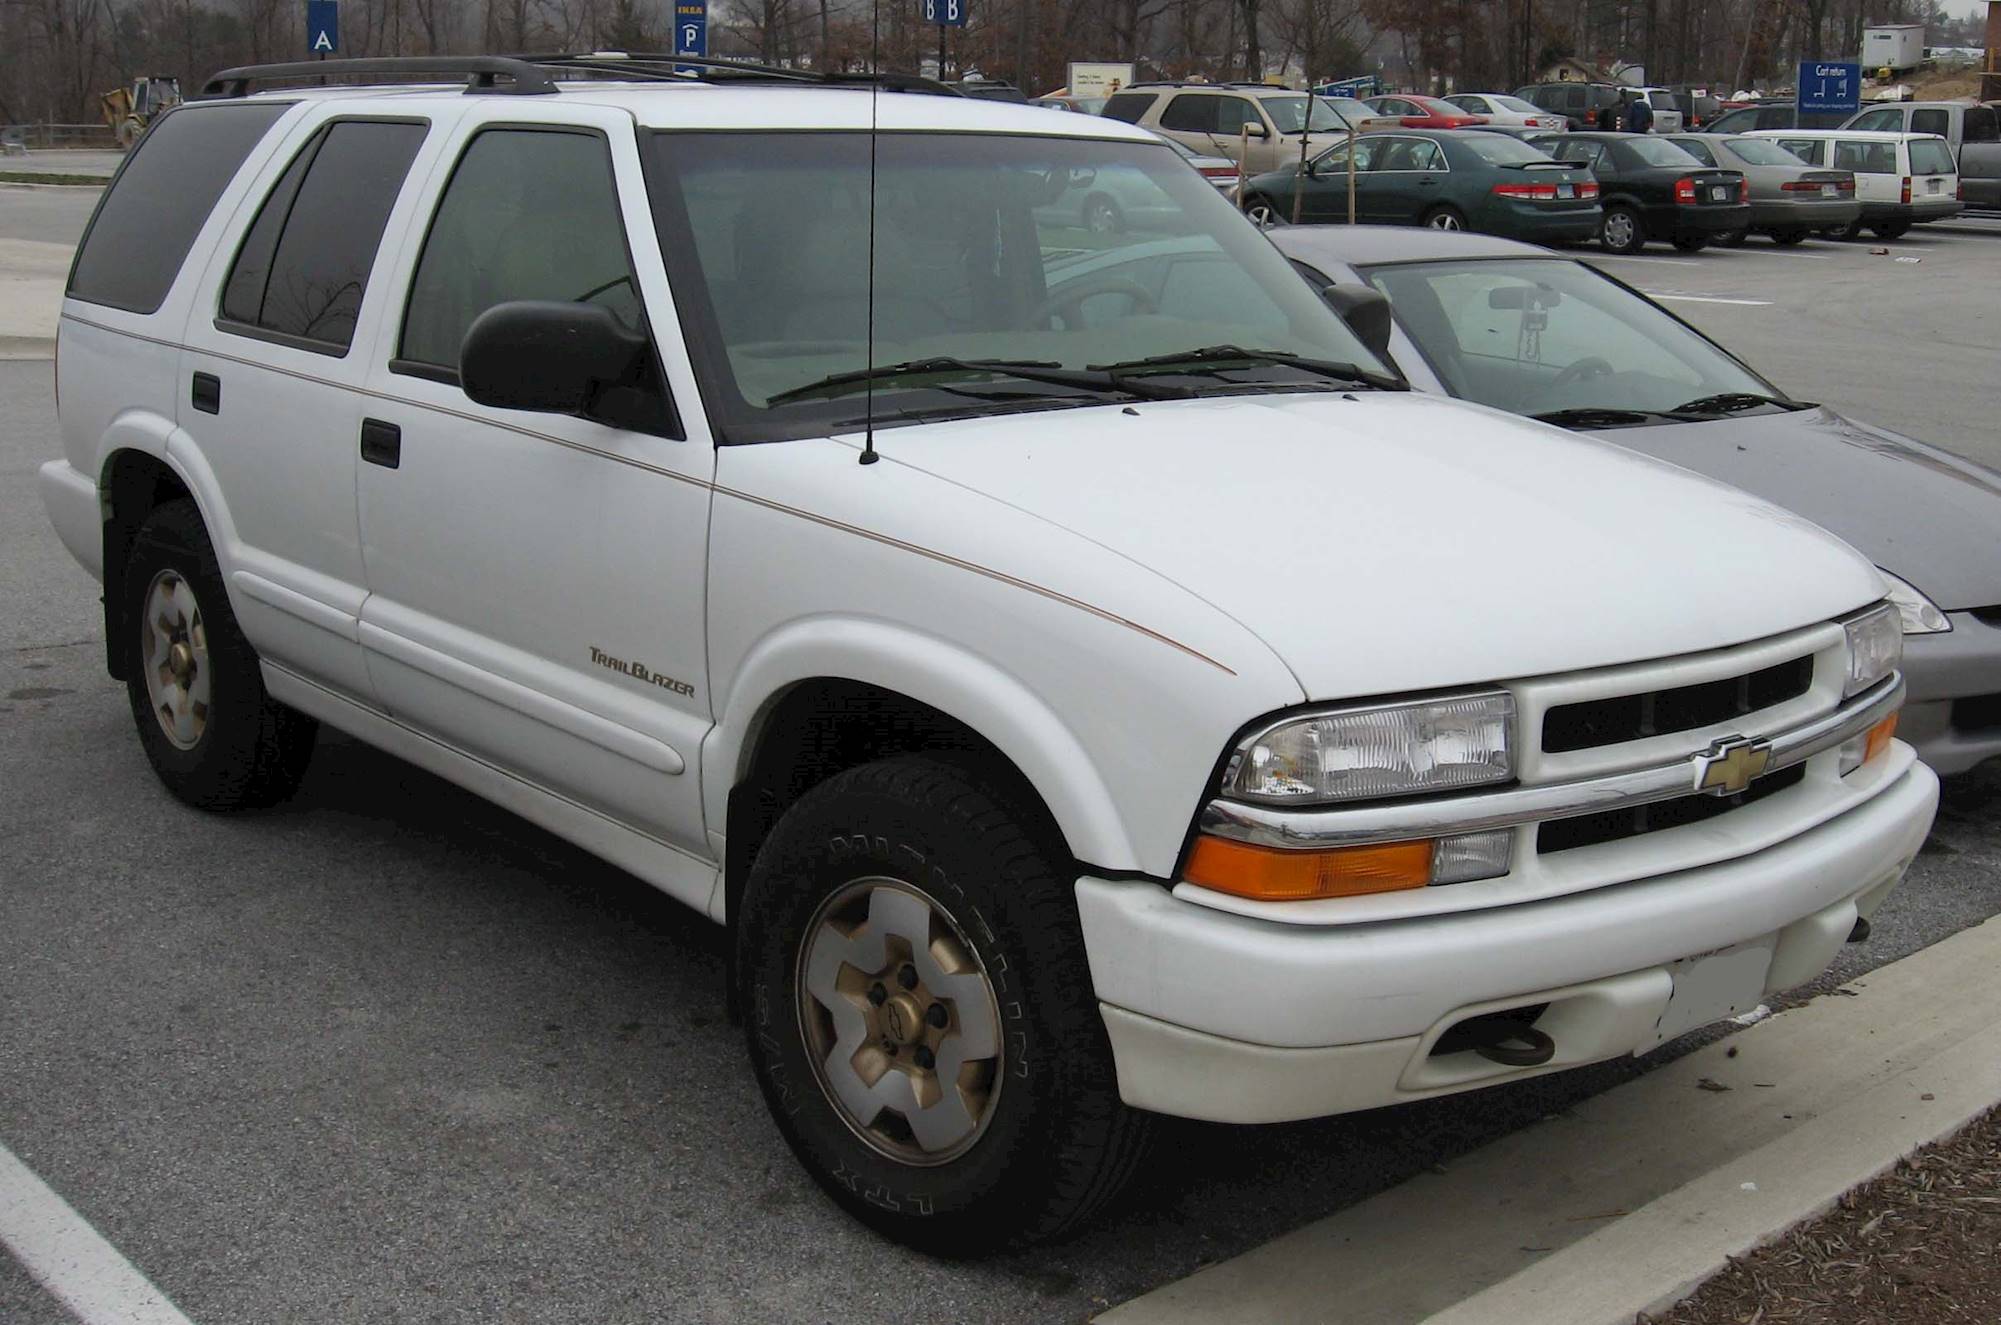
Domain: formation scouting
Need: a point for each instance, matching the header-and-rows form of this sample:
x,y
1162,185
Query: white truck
x,y
1893,46
1083,678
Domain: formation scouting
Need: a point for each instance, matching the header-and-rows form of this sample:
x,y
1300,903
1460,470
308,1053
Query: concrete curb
x,y
1632,1198
24,184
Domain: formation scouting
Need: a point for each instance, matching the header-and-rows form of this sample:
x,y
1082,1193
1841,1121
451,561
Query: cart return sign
x,y
1826,87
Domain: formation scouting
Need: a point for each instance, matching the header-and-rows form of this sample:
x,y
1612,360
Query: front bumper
x,y
1953,715
1235,1019
75,510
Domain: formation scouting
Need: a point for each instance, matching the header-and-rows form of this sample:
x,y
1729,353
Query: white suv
x,y
1083,679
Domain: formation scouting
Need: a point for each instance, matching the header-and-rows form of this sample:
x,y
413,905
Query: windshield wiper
x,y
1596,416
1031,370
1212,360
1730,402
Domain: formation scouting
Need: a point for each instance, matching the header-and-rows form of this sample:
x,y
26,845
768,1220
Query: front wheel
x,y
1102,216
1789,237
1444,217
1850,232
1892,230
1693,243
1732,238
1263,211
1621,231
921,1016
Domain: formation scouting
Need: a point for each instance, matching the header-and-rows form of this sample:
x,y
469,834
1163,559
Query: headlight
x,y
1875,647
1421,745
1919,614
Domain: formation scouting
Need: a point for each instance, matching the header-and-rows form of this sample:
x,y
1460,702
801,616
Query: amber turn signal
x,y
1879,738
1268,875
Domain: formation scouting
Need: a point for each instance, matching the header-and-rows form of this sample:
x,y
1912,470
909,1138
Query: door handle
x,y
206,395
381,443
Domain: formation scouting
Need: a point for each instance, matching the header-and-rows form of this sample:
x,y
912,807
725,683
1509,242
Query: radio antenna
x,y
869,456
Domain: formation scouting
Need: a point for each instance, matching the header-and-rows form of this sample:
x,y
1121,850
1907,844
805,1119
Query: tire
x,y
1789,237
1892,230
1732,238
1622,231
213,734
1444,217
1102,215
1262,211
1040,1140
1692,243
1850,232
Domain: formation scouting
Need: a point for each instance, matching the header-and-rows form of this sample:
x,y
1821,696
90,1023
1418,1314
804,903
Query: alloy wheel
x,y
900,1021
174,655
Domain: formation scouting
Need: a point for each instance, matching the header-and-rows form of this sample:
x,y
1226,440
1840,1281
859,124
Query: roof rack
x,y
658,66
529,75
483,73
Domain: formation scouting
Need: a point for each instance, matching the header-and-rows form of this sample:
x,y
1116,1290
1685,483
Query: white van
x,y
1901,179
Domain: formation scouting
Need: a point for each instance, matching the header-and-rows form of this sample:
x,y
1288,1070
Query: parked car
x,y
990,89
1666,108
1651,189
1578,103
1213,119
1415,112
1540,334
1697,108
1496,109
1973,131
1443,179
1118,201
1063,101
1772,115
1789,199
979,698
1901,179
1218,170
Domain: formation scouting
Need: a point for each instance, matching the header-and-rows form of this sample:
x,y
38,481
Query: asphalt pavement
x,y
386,1053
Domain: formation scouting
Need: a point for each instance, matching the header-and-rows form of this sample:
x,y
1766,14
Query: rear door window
x,y
1129,106
1191,112
1931,121
1866,158
1809,150
1930,156
152,212
1697,149
301,270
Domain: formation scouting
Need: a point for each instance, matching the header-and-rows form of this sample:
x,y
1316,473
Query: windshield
x,y
1288,112
1058,256
1758,152
1515,104
1537,335
1659,152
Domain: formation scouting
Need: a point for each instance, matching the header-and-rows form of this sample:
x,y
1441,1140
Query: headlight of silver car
x,y
1919,614
1422,745
1875,647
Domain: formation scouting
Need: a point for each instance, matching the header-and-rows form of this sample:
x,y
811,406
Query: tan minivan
x,y
1213,118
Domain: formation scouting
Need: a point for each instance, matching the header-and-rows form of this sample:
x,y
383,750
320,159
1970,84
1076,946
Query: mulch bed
x,y
1920,1245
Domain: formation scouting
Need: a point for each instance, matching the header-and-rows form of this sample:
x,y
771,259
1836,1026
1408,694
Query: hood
x,y
1916,511
1386,541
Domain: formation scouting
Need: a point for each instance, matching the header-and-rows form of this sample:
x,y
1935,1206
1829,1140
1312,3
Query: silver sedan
x,y
1789,198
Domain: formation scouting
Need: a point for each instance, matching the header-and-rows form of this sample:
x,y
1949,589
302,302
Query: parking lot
x,y
387,1053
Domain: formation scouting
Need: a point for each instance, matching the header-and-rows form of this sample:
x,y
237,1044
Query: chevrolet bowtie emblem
x,y
1730,763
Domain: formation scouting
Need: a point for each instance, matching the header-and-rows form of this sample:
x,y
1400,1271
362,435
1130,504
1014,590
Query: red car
x,y
1423,112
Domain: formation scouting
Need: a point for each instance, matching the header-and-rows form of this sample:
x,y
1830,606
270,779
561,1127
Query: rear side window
x,y
529,214
1191,113
302,268
1700,151
1981,125
1930,121
1866,158
150,216
1129,106
1809,150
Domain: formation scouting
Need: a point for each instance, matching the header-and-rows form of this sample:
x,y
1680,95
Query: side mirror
x,y
552,357
1367,313
1257,130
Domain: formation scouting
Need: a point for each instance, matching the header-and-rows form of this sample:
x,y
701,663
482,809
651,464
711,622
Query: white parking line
x,y
1706,299
70,1259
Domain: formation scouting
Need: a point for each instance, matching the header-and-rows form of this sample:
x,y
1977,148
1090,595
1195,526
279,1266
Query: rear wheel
x,y
1445,217
1693,243
1789,237
1732,238
211,731
1621,231
1102,216
922,1021
1851,231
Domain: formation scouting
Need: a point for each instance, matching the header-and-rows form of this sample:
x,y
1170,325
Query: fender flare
x,y
970,688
